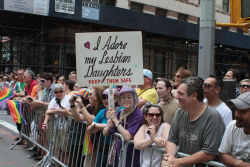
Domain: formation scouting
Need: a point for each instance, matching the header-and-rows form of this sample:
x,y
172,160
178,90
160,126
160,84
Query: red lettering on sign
x,y
125,80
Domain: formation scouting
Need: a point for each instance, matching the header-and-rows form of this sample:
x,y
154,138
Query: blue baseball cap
x,y
147,73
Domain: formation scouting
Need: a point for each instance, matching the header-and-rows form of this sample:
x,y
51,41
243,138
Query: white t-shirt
x,y
236,142
53,105
64,103
225,112
148,154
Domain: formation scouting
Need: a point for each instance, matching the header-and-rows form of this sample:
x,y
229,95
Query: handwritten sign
x,y
109,58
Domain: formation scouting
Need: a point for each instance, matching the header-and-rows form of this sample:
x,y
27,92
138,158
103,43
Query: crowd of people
x,y
184,115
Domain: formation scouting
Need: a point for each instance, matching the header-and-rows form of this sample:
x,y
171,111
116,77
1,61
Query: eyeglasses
x,y
20,74
152,115
245,86
207,85
42,80
60,91
104,97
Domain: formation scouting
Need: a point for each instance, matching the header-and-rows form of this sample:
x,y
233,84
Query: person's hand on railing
x,y
62,111
168,161
91,127
44,126
27,100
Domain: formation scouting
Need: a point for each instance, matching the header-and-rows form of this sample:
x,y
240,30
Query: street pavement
x,y
18,156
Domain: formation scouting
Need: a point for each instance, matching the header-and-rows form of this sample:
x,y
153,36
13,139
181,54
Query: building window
x,y
108,2
225,6
182,17
136,7
161,12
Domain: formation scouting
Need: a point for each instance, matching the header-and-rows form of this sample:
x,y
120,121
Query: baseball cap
x,y
241,102
147,73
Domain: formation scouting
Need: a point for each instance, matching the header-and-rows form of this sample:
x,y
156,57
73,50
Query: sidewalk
x,y
18,156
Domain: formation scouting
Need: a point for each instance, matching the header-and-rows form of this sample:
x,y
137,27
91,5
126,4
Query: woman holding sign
x,y
126,122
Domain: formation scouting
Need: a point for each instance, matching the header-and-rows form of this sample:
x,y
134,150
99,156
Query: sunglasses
x,y
177,76
152,115
42,80
58,92
104,97
245,86
207,85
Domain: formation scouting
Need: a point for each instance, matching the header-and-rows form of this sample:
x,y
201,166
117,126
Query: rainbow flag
x,y
15,108
5,93
84,92
87,144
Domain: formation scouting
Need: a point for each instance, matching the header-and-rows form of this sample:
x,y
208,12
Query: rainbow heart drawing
x,y
87,45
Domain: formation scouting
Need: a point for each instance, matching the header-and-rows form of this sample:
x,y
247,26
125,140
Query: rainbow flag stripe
x,y
15,108
82,92
87,144
5,94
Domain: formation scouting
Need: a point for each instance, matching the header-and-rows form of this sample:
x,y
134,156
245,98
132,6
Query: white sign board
x,y
109,58
65,6
40,7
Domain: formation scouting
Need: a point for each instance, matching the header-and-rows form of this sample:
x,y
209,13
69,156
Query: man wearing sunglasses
x,y
235,145
244,86
212,88
46,80
196,129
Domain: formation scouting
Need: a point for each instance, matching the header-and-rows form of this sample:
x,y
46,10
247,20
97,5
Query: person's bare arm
x,y
194,159
96,127
141,103
140,140
230,161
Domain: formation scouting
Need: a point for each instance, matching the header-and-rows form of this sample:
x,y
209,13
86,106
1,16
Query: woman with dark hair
x,y
126,122
87,113
80,112
181,74
69,87
153,132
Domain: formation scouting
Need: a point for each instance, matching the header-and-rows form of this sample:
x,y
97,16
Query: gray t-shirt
x,y
203,134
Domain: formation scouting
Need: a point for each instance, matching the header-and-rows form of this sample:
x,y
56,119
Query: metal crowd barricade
x,y
162,150
72,147
32,131
65,140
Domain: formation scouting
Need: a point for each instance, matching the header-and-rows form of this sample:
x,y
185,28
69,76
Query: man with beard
x,y
168,103
235,145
